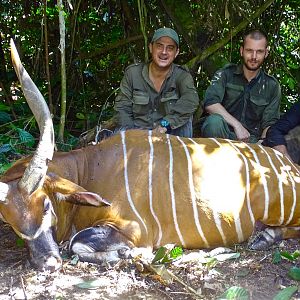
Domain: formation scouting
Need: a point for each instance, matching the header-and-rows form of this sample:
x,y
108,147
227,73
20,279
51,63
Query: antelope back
x,y
193,192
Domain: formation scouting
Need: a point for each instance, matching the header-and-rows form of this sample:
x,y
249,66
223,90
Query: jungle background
x,y
76,52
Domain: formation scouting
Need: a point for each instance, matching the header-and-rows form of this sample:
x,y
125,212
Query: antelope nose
x,y
52,264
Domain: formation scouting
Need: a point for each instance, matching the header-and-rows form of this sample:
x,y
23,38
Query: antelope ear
x,y
87,199
66,190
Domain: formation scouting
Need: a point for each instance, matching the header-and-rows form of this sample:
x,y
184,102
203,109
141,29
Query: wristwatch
x,y
164,123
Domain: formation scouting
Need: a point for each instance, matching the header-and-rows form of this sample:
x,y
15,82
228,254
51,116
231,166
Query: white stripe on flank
x,y
151,187
192,191
171,184
216,215
264,183
127,182
279,185
247,180
293,188
292,164
237,220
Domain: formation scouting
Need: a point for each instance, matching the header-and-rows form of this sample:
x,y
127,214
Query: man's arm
x,y
283,150
272,111
123,103
187,104
276,134
241,132
213,100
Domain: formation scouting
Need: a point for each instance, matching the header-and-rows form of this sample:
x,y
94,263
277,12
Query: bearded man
x,y
243,101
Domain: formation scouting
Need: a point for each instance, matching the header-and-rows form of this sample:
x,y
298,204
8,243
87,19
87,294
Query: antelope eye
x,y
46,205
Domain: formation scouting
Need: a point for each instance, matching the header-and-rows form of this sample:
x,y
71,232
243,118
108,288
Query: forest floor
x,y
187,278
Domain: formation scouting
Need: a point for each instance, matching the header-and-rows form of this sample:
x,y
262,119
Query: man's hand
x,y
283,150
242,134
160,129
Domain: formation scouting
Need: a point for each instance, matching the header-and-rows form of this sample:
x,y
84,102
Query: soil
x,y
187,278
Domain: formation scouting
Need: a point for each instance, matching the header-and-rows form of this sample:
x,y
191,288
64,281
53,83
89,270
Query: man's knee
x,y
185,130
215,126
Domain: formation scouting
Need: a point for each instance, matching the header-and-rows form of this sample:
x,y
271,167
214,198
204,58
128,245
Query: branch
x,y
210,50
179,26
110,47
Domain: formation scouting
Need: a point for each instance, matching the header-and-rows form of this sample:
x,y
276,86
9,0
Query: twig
x,y
11,288
23,287
194,292
184,284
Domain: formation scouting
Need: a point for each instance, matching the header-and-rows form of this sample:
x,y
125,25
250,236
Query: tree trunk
x,y
47,60
192,64
62,30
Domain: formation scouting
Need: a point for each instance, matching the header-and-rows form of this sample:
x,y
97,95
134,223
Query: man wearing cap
x,y
158,95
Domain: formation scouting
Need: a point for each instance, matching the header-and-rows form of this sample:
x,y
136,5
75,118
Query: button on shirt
x,y
255,104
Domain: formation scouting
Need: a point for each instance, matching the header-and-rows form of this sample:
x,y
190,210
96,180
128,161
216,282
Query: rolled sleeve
x,y
216,90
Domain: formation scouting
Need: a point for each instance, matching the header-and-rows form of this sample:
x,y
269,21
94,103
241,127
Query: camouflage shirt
x,y
139,105
255,104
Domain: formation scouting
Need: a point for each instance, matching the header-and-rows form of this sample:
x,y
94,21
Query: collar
x,y
239,71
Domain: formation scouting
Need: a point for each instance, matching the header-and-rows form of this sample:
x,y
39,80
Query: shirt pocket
x,y
140,103
234,92
168,100
256,108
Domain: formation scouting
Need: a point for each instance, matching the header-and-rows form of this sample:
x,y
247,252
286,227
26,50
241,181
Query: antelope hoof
x,y
101,244
263,240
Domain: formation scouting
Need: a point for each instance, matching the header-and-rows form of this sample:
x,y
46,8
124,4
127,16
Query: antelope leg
x,y
100,244
262,240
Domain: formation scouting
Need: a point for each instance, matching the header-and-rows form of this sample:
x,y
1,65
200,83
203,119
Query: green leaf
x,y
166,255
211,262
235,293
286,293
276,257
20,243
5,148
4,117
296,254
294,273
176,252
287,255
74,260
26,137
160,253
227,256
90,284
80,116
4,107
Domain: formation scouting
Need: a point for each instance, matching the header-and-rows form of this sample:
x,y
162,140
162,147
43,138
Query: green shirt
x,y
139,105
255,104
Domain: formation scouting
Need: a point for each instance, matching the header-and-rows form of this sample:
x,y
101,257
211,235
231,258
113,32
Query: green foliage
x,y
286,293
98,51
20,243
279,255
235,293
167,255
294,273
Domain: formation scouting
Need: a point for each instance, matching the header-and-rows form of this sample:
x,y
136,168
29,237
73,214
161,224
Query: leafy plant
x,y
235,293
167,255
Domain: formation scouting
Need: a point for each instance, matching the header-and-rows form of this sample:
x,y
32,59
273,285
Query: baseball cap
x,y
164,31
